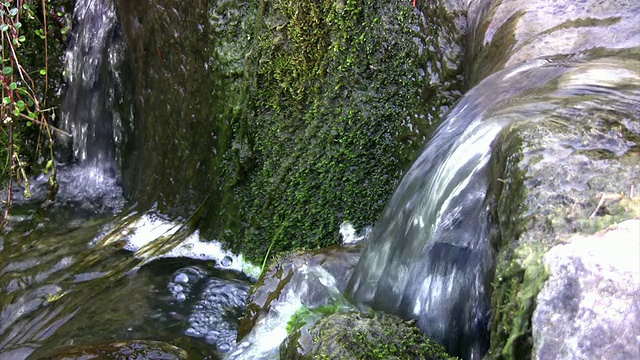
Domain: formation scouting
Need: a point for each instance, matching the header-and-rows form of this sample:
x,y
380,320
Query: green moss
x,y
336,110
517,283
365,336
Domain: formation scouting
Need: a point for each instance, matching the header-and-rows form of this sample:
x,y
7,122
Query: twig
x,y
602,196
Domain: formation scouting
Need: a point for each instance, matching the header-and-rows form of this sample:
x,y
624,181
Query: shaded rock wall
x,y
283,118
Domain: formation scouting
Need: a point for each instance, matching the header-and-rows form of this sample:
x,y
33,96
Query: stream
x,y
93,267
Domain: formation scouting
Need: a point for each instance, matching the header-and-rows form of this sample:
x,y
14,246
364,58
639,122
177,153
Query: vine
x,y
24,105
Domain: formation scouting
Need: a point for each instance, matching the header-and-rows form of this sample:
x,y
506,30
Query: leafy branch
x,y
22,105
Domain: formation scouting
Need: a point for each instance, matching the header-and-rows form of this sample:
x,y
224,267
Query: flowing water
x,y
430,257
80,270
94,62
89,269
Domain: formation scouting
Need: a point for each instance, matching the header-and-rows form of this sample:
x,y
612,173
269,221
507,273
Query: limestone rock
x,y
590,306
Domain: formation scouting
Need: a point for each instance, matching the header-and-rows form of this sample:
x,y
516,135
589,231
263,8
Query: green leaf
x,y
18,25
13,86
6,100
7,70
43,72
4,27
29,123
20,105
29,102
32,115
25,6
13,12
22,38
16,111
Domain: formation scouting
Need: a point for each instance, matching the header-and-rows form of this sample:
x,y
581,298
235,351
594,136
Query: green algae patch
x,y
340,96
518,281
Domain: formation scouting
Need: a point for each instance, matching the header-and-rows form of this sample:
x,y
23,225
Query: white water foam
x,y
142,235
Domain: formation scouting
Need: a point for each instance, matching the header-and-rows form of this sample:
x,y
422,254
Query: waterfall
x,y
430,257
92,108
93,63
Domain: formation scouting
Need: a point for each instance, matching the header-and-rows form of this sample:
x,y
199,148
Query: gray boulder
x,y
589,307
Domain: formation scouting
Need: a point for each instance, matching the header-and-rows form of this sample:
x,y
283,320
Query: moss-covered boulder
x,y
342,96
356,335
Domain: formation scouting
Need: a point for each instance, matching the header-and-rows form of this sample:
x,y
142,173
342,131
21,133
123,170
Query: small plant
x,y
24,104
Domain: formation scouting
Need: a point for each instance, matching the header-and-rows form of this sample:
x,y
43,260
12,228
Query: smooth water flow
x,y
430,257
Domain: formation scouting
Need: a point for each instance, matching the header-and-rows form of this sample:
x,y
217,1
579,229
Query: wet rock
x,y
121,350
570,166
361,336
295,284
512,31
589,308
284,274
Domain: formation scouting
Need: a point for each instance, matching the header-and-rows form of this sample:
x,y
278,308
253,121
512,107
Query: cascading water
x,y
93,64
430,257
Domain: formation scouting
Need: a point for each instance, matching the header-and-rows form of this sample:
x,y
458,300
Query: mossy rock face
x,y
361,336
285,118
342,95
187,64
561,180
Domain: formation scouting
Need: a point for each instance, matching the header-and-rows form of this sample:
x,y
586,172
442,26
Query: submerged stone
x,y
121,350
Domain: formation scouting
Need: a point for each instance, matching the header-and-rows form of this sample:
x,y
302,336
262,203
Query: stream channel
x,y
92,267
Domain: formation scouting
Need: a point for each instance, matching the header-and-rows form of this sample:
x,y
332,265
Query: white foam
x,y
349,234
141,237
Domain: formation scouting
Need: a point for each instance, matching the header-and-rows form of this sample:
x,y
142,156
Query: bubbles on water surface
x,y
210,306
